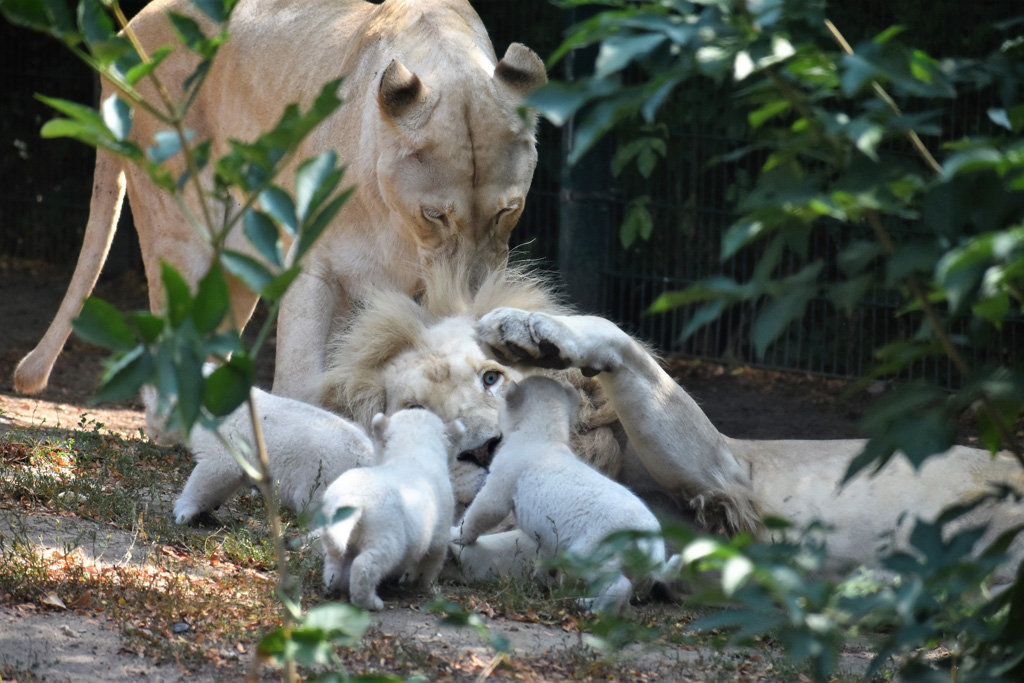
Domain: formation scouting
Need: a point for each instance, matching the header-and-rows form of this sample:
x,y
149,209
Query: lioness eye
x,y
506,210
413,406
434,215
490,378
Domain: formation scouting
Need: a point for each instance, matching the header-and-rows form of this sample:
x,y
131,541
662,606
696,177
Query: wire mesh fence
x,y
45,187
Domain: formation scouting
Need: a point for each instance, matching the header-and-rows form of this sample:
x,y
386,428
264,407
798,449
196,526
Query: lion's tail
x,y
33,372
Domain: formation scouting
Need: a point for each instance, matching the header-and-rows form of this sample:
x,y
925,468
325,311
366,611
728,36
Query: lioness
x,y
638,425
440,158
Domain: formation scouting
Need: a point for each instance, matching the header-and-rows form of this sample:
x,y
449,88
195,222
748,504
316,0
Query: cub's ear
x,y
379,425
513,396
573,396
455,431
401,92
521,70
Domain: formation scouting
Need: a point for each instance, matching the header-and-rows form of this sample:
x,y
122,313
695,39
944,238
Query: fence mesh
x,y
45,187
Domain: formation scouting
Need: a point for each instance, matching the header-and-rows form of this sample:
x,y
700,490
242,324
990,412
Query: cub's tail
x,y
108,186
336,534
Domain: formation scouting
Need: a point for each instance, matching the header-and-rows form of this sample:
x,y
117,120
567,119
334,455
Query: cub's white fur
x,y
308,448
403,508
558,500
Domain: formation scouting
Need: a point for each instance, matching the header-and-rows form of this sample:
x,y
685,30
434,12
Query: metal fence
x,y
572,215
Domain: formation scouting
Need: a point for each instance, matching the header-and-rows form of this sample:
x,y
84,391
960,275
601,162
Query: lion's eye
x,y
491,378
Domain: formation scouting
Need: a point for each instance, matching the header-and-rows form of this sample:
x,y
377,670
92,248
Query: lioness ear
x,y
521,70
379,425
400,90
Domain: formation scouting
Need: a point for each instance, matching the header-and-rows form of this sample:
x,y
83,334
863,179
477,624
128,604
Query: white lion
x,y
435,147
637,424
307,449
403,509
558,500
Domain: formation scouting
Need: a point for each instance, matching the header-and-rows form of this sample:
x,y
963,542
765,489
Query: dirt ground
x,y
61,645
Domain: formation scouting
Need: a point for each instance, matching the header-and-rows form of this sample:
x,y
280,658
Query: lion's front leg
x,y
672,437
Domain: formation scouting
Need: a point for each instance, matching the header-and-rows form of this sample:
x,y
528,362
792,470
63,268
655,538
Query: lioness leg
x,y
671,435
303,328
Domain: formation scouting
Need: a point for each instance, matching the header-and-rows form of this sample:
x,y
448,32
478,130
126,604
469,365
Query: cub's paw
x,y
514,336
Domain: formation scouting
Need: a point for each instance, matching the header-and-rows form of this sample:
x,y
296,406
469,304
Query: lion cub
x,y
403,508
308,448
558,499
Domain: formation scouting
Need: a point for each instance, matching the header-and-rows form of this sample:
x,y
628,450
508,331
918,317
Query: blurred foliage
x,y
167,349
834,135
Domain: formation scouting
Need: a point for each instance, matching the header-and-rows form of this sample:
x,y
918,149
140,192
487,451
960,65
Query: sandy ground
x,y
55,644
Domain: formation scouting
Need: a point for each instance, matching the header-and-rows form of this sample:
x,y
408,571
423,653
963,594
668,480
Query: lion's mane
x,y
389,323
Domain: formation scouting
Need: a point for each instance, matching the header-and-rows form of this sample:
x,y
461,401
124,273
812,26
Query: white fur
x,y
403,509
558,500
307,447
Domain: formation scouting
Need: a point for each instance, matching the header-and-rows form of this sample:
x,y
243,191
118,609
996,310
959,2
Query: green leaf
x,y
311,180
218,10
279,205
100,323
849,294
49,16
617,51
344,623
125,376
637,223
188,31
146,325
228,386
994,309
87,116
98,32
117,116
777,316
168,143
313,229
247,269
212,300
276,288
766,112
140,70
705,315
740,234
263,234
178,298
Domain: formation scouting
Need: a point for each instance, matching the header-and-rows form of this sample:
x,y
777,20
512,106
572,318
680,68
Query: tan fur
x,y
431,134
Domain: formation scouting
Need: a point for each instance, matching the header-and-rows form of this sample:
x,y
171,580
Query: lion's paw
x,y
514,336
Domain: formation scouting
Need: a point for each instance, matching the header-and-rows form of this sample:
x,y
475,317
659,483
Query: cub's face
x,y
450,376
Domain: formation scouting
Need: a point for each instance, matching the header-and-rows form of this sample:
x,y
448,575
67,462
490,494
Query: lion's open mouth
x,y
483,454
